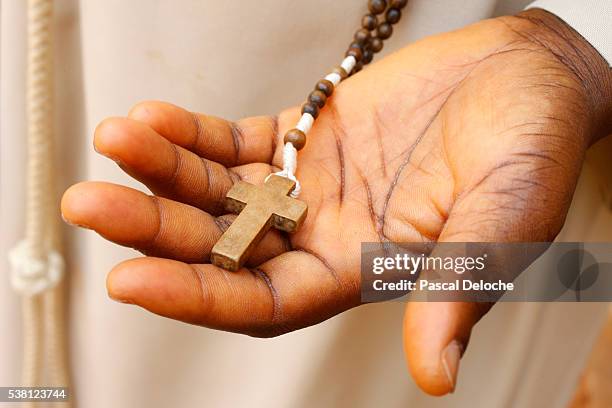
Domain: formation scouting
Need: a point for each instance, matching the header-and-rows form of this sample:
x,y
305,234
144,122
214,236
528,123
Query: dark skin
x,y
474,135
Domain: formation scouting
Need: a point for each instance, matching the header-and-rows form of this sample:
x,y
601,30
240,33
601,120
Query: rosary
x,y
274,204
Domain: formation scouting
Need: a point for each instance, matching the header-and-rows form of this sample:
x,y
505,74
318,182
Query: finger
x,y
153,225
291,291
250,140
169,170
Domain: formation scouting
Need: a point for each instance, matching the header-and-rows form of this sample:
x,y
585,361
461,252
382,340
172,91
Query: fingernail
x,y
451,356
108,155
118,300
74,224
113,158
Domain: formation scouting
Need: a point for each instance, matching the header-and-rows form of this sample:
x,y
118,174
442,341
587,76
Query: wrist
x,y
589,68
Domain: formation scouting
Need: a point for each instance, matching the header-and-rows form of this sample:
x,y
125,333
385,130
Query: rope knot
x,y
31,275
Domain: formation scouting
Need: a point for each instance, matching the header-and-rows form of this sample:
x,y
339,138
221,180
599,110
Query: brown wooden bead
x,y
384,31
355,52
358,67
310,108
368,55
318,98
362,36
377,6
341,71
369,22
376,44
399,4
393,15
325,86
296,137
356,44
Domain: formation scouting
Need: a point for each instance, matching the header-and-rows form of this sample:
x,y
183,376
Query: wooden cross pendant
x,y
260,207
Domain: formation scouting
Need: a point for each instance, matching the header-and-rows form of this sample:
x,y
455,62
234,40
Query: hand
x,y
475,135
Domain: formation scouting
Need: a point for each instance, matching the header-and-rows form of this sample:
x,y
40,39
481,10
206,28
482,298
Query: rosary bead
x,y
393,15
318,98
399,4
368,55
377,6
357,68
305,123
369,22
376,44
348,64
310,108
357,45
325,86
334,78
355,52
384,31
296,137
362,36
341,71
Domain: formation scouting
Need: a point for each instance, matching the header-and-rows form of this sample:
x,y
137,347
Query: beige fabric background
x,y
234,59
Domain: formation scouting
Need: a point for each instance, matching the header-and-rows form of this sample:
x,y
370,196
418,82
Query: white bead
x,y
289,159
305,123
348,64
334,78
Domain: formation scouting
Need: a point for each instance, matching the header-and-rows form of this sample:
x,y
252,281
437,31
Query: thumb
x,y
436,334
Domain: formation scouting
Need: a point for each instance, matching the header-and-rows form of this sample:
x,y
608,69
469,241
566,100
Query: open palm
x,y
460,137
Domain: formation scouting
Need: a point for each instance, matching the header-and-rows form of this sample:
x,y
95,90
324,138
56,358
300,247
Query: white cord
x,y
289,167
36,266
